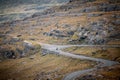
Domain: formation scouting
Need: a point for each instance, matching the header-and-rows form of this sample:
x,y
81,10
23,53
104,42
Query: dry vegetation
x,y
35,27
50,65
105,53
107,73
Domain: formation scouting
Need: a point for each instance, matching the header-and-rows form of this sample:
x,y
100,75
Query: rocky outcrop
x,y
57,33
14,47
99,22
45,52
95,34
5,53
30,48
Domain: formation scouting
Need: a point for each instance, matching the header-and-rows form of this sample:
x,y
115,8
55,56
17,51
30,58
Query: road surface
x,y
71,76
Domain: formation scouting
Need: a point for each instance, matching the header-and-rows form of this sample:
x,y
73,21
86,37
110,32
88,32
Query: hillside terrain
x,y
89,22
24,23
11,10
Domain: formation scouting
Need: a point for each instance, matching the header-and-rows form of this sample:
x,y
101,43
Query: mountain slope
x,y
19,9
79,21
89,22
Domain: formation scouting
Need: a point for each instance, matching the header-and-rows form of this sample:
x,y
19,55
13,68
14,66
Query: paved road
x,y
73,75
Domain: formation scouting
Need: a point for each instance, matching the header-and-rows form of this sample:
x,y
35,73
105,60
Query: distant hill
x,y
19,9
14,3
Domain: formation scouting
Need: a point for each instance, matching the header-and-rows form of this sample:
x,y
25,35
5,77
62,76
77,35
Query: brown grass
x,y
107,53
107,73
28,30
27,69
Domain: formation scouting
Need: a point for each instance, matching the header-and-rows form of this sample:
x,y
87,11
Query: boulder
x,y
116,16
28,46
7,54
66,25
87,77
45,52
116,22
82,1
56,33
70,32
15,39
94,15
89,9
32,57
109,7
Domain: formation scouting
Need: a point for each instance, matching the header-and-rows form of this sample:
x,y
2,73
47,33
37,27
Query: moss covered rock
x,y
75,36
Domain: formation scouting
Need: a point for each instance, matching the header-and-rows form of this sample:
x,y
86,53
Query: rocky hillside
x,y
27,23
11,10
85,21
76,22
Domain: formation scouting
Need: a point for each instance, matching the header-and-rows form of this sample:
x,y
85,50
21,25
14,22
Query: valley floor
x,y
38,67
81,22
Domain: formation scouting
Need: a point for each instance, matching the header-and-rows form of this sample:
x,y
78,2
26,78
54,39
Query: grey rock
x,y
45,52
56,33
109,7
82,1
8,54
32,57
82,10
66,8
19,35
98,25
116,22
28,46
15,39
2,35
82,38
66,25
94,15
116,16
89,9
87,77
33,39
70,32
19,51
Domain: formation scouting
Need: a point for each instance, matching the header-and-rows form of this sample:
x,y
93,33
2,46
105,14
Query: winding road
x,y
58,50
